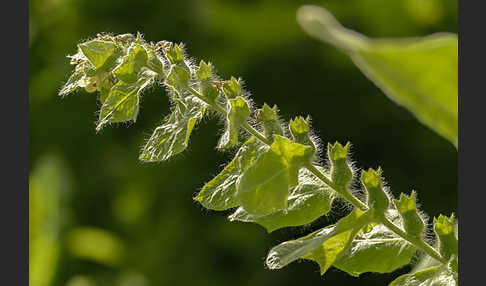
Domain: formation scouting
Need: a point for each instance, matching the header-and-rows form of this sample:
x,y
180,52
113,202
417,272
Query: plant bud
x,y
412,221
232,88
178,77
204,71
299,127
268,117
174,53
237,114
444,228
341,171
377,197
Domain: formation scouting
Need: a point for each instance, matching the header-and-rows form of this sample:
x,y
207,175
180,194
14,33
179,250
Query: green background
x,y
155,233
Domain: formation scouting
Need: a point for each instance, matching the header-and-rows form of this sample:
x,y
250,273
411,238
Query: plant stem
x,y
417,242
346,194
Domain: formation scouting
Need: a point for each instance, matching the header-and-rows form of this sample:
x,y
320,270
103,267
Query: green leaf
x,y
122,102
441,275
377,250
153,61
307,201
172,137
132,64
72,84
178,78
220,192
98,52
419,74
323,246
95,244
237,114
264,187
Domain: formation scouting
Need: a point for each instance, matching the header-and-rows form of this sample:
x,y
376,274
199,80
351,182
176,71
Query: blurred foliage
x,y
417,73
162,234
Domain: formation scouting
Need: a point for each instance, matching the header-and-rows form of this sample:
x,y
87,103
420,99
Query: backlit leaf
x,y
264,187
441,275
172,137
122,101
323,246
220,192
307,201
419,74
132,64
378,250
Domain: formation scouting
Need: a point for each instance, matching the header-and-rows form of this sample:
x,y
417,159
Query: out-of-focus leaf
x,y
172,137
419,74
220,192
309,200
95,244
45,187
264,187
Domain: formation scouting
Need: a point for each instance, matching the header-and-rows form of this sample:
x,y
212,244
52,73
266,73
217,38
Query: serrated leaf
x,y
307,201
131,64
441,275
72,84
379,250
264,187
323,246
220,192
98,52
419,74
172,137
122,102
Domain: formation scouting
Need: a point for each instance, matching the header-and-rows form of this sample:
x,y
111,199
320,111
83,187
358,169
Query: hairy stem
x,y
345,193
417,242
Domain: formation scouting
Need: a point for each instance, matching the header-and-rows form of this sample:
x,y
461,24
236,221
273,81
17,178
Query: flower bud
x,y
299,127
444,228
232,88
412,221
341,171
271,124
378,199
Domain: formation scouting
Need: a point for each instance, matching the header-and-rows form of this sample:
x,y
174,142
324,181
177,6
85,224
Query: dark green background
x,y
168,238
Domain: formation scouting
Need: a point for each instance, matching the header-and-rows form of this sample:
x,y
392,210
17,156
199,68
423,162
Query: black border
x,y
15,141
472,108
